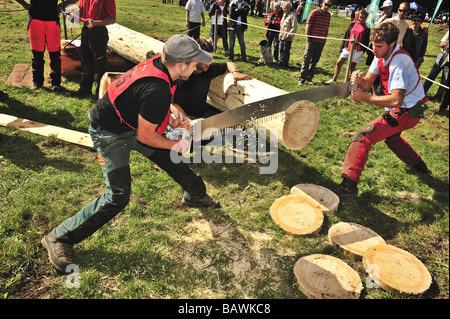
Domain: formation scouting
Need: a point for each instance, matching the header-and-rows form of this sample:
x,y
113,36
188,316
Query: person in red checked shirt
x,y
44,32
96,15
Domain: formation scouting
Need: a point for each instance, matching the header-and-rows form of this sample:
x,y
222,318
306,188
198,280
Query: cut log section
x,y
47,130
297,215
395,269
302,121
327,200
326,277
133,46
353,239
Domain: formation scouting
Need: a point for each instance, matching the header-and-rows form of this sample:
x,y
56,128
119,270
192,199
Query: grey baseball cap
x,y
183,48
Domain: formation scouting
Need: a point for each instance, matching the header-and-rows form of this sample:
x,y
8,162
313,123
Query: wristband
x,y
236,70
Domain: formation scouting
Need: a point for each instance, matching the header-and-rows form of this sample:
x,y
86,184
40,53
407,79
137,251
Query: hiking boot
x,y
59,253
205,201
421,168
347,188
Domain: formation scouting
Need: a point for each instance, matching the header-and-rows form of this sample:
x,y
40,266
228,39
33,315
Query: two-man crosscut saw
x,y
264,108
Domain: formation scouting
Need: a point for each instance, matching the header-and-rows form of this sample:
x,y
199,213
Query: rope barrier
x,y
327,38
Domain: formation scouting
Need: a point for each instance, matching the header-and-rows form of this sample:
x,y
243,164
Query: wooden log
x,y
353,239
395,269
325,277
297,214
64,134
223,94
132,45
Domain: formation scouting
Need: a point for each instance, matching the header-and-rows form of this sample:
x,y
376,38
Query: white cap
x,y
387,3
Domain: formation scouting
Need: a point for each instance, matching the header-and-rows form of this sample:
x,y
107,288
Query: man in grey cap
x,y
133,115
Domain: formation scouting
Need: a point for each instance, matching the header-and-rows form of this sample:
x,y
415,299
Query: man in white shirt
x,y
387,12
403,98
195,17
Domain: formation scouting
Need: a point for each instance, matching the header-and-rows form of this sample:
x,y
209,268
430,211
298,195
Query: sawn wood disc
x,y
328,200
325,277
393,268
302,121
297,215
353,239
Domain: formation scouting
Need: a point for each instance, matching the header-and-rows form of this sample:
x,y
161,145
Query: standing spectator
x,y
252,7
361,31
403,98
299,11
45,33
287,29
96,15
415,40
259,8
273,22
221,9
441,64
388,13
195,17
400,21
317,24
238,13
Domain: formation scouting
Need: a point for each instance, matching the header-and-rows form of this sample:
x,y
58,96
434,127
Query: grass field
x,y
157,248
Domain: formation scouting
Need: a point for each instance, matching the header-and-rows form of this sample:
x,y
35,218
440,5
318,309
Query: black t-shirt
x,y
191,94
149,97
45,10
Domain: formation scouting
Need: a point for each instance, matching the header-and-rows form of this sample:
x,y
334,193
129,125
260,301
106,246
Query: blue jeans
x,y
114,157
285,52
434,72
273,37
239,33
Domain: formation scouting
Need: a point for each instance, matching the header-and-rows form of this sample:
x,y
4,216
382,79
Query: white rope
x,y
328,38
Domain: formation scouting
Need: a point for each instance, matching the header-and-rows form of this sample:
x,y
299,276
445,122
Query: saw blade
x,y
264,108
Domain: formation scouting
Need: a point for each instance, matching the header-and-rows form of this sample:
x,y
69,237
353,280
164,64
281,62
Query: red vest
x,y
142,70
384,74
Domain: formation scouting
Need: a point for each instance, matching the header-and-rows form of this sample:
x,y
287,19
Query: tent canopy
x,y
414,6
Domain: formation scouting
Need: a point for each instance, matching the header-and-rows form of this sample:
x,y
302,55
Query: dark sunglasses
x,y
328,5
400,10
417,20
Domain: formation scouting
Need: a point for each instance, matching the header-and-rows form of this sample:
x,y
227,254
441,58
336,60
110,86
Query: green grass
x,y
157,248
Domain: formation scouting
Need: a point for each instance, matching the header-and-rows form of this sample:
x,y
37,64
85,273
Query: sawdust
x,y
220,250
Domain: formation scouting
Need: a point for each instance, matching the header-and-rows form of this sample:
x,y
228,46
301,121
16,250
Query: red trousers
x,y
45,35
375,132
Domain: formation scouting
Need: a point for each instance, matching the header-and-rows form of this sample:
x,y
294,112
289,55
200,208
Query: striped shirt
x,y
319,24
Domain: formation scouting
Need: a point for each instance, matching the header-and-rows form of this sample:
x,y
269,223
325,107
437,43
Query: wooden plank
x,y
17,74
71,136
28,79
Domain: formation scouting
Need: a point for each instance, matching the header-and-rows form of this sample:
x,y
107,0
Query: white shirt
x,y
195,8
403,75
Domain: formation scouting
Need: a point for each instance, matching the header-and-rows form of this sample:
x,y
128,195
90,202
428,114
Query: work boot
x,y
205,201
59,253
421,168
347,188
